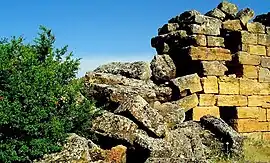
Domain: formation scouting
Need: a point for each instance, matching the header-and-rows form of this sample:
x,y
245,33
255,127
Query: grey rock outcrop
x,y
137,70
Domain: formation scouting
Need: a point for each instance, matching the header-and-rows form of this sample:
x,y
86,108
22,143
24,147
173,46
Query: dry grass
x,y
255,151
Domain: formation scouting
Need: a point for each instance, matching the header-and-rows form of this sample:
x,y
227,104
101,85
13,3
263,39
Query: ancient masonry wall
x,y
231,57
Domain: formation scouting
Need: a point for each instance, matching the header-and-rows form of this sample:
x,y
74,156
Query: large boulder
x,y
139,110
78,149
216,13
228,8
232,140
138,70
173,114
115,127
163,68
108,88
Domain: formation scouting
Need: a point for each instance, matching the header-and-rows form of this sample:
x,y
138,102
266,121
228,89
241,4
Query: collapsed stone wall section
x,y
231,57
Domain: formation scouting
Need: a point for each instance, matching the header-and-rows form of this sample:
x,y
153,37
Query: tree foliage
x,y
39,98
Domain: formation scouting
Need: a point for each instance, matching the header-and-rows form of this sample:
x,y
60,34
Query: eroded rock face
x,y
137,70
115,88
163,68
230,137
115,127
141,111
80,150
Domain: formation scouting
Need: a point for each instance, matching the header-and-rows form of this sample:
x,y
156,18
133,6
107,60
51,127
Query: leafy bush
x,y
39,98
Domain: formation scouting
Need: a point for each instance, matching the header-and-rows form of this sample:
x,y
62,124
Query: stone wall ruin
x,y
221,65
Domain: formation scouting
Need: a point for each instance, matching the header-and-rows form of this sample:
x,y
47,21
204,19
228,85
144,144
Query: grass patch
x,y
255,151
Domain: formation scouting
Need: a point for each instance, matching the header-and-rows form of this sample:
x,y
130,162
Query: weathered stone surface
x,y
213,41
207,100
256,100
231,100
185,16
209,54
74,150
115,88
245,15
228,85
265,62
268,51
114,126
199,112
228,8
257,49
188,82
167,28
249,38
205,29
250,71
263,18
245,58
264,75
249,87
81,150
172,113
216,13
251,113
158,41
220,127
232,25
181,144
138,70
213,68
163,68
250,125
197,40
140,110
264,39
210,84
256,27
188,102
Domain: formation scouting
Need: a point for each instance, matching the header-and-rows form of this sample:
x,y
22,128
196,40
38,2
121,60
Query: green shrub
x,y
39,98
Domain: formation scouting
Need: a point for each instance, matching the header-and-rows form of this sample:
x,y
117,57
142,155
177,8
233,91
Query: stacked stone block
x,y
222,63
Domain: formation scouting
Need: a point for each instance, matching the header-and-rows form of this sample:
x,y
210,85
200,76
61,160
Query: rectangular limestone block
x,y
257,100
253,87
265,62
244,47
209,54
228,85
253,135
245,58
264,39
266,136
231,100
210,84
256,27
250,125
199,112
267,114
205,29
257,49
207,100
232,25
197,40
250,71
188,102
264,75
268,51
248,38
213,68
251,113
213,41
190,82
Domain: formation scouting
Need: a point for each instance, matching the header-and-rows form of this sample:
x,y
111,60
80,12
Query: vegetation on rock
x,y
40,100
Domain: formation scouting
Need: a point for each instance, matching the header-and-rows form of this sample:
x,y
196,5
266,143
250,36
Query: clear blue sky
x,y
100,31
